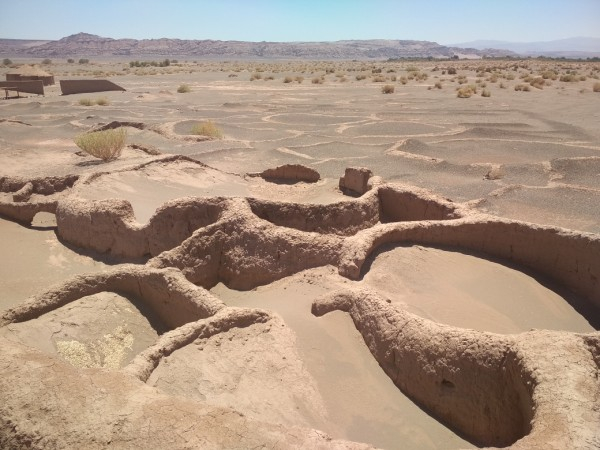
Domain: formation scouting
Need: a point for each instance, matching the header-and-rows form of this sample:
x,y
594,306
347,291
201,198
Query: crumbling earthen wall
x,y
343,218
498,390
568,257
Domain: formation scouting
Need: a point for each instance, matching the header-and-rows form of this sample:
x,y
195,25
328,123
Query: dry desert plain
x,y
171,298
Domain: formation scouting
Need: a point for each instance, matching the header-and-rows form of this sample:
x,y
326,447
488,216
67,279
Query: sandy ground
x,y
532,156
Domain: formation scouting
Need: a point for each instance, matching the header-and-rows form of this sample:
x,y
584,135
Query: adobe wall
x,y
83,86
30,87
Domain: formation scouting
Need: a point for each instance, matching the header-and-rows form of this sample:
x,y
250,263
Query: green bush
x,y
208,129
106,145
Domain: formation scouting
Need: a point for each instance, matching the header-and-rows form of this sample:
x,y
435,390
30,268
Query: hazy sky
x,y
443,21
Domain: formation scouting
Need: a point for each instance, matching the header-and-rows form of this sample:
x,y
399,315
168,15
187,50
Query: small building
x,y
30,73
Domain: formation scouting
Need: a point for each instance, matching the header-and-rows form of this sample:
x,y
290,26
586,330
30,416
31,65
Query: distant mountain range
x,y
89,45
578,47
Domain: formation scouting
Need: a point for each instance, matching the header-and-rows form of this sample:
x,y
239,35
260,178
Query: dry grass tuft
x,y
106,145
86,102
183,89
208,129
102,101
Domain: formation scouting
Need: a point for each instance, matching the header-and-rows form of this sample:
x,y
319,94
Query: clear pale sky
x,y
443,21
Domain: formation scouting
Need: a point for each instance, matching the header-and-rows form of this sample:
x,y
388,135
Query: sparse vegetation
x,y
288,79
102,101
183,89
86,102
84,61
106,145
317,80
596,87
360,76
6,62
388,89
208,129
486,93
438,85
70,60
47,61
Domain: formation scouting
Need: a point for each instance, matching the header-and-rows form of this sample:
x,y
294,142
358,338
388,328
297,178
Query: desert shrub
x,y
486,93
596,87
207,128
299,79
569,78
538,83
466,91
102,101
438,85
183,89
86,102
360,76
47,61
317,80
106,145
378,70
412,69
522,87
270,77
549,75
70,60
379,79
403,80
502,86
388,89
288,79
84,61
451,71
393,78
6,62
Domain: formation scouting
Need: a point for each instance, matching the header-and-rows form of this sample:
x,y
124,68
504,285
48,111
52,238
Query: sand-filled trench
x,y
203,293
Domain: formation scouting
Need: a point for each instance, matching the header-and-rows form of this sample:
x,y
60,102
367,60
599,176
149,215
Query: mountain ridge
x,y
90,45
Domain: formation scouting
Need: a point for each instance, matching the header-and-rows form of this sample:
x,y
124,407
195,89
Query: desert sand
x,y
184,296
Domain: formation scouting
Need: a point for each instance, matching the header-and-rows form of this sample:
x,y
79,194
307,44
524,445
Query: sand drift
x,y
537,389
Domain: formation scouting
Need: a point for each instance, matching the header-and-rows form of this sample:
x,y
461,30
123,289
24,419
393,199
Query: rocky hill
x,y
89,45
